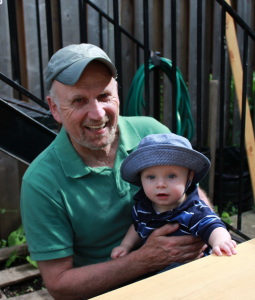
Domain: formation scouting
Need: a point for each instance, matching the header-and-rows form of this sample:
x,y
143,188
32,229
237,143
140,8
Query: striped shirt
x,y
194,216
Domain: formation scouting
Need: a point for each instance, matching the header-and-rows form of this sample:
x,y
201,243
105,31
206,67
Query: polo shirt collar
x,y
129,137
72,163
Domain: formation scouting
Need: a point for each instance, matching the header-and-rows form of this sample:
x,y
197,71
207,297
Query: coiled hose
x,y
135,101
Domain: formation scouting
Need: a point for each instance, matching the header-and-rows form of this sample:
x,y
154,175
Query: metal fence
x,y
143,53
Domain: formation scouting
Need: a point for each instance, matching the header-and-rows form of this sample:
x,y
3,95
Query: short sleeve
x,y
47,227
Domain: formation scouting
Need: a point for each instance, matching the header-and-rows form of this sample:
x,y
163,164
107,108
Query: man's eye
x,y
171,176
151,177
103,96
79,100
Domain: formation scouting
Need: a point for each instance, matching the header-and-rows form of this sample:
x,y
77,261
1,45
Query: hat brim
x,y
157,155
72,74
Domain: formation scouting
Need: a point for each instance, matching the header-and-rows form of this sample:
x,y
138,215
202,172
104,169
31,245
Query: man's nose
x,y
96,110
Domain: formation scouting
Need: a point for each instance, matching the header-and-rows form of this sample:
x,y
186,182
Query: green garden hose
x,y
135,101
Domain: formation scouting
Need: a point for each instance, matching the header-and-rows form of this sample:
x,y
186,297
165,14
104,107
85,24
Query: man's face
x,y
89,109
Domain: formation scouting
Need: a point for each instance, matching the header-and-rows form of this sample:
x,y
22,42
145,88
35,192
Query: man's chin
x,y
97,144
100,142
94,146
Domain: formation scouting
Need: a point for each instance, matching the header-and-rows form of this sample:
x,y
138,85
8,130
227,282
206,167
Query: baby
x,y
168,169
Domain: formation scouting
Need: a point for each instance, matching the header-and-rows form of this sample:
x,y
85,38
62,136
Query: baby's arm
x,y
219,240
130,241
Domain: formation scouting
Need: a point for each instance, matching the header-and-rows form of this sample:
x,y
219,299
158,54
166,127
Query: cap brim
x,y
72,74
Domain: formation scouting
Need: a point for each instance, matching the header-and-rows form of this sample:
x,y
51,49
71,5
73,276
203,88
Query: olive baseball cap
x,y
68,63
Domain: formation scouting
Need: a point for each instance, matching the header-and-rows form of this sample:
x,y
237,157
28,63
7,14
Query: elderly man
x,y
75,206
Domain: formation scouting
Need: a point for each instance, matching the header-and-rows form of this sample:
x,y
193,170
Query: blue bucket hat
x,y
164,149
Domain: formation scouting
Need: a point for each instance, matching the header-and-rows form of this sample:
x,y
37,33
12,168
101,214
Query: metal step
x,y
21,136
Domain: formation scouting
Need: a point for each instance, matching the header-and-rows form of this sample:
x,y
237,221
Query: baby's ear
x,y
191,175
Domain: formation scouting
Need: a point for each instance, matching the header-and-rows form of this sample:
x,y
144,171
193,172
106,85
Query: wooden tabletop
x,y
211,277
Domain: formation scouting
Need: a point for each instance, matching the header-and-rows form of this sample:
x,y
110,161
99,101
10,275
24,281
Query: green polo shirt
x,y
69,208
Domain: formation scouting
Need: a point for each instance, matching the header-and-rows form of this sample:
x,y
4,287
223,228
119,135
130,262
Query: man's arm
x,y
64,282
203,196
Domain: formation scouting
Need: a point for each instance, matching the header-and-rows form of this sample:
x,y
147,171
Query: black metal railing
x,y
118,31
247,33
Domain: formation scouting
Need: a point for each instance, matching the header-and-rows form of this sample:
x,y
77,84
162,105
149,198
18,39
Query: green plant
x,y
3,243
225,217
3,210
16,238
229,210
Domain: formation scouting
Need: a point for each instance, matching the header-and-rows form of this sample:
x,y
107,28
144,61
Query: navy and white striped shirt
x,y
193,215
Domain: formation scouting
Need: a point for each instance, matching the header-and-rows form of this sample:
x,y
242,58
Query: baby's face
x,y
165,185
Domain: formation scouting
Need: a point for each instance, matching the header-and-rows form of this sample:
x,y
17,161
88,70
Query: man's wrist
x,y
143,261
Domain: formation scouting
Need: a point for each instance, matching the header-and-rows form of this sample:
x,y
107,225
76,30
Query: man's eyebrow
x,y
75,96
105,90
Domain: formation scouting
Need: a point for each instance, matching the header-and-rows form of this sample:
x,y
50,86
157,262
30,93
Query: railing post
x,y
222,104
101,31
156,60
137,56
39,47
174,58
146,56
83,21
60,25
242,137
199,73
117,45
49,28
14,42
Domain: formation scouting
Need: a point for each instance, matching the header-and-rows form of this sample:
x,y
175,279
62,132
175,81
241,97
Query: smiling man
x,y
75,206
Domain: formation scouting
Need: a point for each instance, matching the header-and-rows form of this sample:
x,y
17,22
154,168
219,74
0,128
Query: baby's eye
x,y
171,176
151,177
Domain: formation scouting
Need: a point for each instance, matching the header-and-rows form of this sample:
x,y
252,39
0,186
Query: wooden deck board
x,y
5,252
18,274
38,295
2,295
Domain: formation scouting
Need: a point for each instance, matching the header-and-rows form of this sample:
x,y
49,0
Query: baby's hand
x,y
119,251
228,247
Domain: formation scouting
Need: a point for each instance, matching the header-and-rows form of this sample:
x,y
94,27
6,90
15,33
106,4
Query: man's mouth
x,y
96,128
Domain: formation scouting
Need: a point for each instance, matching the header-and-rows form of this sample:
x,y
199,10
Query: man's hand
x,y
161,251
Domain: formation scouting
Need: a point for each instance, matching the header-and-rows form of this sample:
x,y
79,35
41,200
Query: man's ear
x,y
54,109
